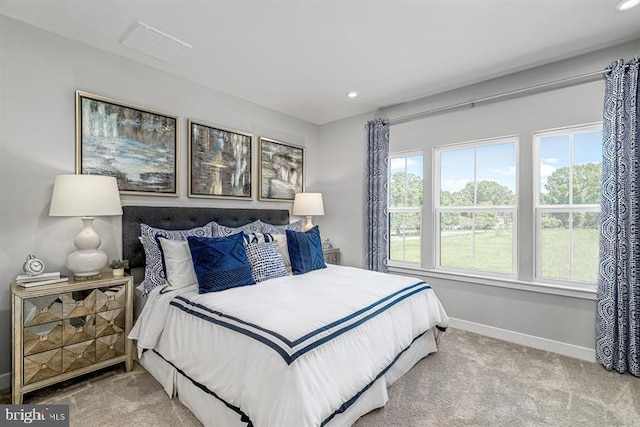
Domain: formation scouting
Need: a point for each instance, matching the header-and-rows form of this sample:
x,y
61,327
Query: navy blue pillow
x,y
305,250
220,262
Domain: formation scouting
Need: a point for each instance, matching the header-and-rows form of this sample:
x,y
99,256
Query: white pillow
x,y
178,265
281,240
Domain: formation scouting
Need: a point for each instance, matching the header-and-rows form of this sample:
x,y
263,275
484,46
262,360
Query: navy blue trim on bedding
x,y
286,354
344,407
243,417
235,328
353,325
310,334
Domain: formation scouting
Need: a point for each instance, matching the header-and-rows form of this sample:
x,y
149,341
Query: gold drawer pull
x,y
111,322
79,356
110,347
112,298
79,303
43,338
79,330
44,309
43,366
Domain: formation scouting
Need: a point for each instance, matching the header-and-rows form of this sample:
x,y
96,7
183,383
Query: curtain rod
x,y
543,87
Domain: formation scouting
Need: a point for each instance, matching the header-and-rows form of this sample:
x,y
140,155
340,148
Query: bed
x,y
312,349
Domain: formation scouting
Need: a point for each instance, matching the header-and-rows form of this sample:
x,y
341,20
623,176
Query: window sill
x,y
543,288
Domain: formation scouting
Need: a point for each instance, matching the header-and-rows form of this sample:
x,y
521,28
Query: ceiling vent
x,y
153,42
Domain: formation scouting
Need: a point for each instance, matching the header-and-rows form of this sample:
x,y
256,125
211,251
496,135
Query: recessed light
x,y
353,93
627,4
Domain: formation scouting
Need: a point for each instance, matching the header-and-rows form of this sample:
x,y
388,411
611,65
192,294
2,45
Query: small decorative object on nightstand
x,y
118,266
331,255
33,266
64,330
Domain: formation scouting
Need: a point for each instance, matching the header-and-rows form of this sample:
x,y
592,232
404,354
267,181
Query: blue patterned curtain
x,y
377,226
618,312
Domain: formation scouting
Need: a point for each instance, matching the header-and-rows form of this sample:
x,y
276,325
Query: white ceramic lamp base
x,y
307,225
88,260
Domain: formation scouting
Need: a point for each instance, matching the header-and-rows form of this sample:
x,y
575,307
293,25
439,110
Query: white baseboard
x,y
584,353
5,381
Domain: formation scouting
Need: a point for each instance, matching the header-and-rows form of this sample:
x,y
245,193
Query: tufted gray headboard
x,y
180,218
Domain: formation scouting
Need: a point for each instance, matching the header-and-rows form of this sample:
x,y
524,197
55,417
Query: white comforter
x,y
290,351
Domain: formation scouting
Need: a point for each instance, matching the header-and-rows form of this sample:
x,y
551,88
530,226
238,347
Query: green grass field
x,y
494,252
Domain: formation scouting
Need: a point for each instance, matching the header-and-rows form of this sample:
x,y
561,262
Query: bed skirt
x,y
212,411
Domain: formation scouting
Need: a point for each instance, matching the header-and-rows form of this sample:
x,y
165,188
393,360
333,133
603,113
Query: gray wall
x,y
568,320
39,74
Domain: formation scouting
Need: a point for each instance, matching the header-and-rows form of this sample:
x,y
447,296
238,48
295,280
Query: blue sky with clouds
x,y
555,152
495,162
414,165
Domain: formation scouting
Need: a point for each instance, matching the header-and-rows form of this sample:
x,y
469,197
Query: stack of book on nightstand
x,y
27,280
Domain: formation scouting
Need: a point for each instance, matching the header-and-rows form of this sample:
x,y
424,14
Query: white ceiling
x,y
300,57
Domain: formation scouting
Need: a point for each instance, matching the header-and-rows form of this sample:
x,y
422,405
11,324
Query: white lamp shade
x,y
308,204
85,195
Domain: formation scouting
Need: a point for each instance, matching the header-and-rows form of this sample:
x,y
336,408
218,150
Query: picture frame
x,y
136,145
220,162
281,170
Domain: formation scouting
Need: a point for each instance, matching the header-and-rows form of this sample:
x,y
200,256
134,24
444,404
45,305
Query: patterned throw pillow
x,y
220,262
258,238
279,229
266,261
305,250
218,230
153,272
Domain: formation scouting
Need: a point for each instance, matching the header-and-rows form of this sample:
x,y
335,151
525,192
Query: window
x,y
567,203
475,206
405,207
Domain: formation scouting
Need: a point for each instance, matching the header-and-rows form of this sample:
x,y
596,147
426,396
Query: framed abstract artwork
x,y
137,146
281,170
219,162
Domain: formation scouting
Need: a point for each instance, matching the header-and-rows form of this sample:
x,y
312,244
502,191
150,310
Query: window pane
x,y
555,255
397,189
587,169
496,174
586,246
415,181
404,232
457,177
456,240
554,170
405,181
494,242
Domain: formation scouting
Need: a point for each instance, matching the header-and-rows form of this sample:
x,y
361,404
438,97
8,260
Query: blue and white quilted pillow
x,y
218,230
279,229
266,261
154,274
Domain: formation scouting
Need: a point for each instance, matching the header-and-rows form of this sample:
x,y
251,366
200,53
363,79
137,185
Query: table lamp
x,y
308,204
86,196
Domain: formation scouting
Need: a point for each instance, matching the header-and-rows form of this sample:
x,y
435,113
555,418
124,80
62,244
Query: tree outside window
x,y
476,206
567,203
405,207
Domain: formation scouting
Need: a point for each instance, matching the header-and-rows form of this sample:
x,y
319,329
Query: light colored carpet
x,y
471,381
